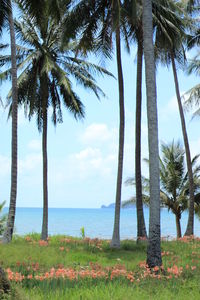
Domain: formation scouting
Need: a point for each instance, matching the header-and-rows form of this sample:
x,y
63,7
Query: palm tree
x,y
98,20
116,230
153,250
175,180
133,30
45,77
160,10
174,192
4,13
141,228
7,15
170,36
190,225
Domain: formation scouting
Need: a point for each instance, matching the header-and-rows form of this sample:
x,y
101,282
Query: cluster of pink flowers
x,y
40,242
72,274
14,276
189,238
63,249
97,243
96,271
159,271
166,253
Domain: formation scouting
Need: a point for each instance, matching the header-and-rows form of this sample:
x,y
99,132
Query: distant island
x,y
112,205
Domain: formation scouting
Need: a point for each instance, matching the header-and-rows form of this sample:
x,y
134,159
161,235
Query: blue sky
x,y
82,156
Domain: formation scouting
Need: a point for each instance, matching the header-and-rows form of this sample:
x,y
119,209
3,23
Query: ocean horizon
x,y
97,222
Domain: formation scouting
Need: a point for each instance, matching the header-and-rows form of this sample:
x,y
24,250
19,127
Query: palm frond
x,y
4,13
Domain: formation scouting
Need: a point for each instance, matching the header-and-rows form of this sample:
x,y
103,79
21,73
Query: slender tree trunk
x,y
116,234
7,237
153,249
178,226
44,234
190,224
141,228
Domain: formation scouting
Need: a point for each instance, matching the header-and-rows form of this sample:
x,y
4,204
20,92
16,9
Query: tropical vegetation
x,y
51,43
72,268
174,182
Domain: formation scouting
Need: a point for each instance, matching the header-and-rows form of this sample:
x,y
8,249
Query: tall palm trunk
x,y
141,228
178,225
116,234
190,224
153,249
7,237
44,234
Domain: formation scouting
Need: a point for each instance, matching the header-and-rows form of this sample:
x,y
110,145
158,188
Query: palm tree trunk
x,y
178,226
190,224
7,237
141,228
116,234
153,249
44,234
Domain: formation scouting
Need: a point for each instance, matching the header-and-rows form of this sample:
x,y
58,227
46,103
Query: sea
x,y
97,223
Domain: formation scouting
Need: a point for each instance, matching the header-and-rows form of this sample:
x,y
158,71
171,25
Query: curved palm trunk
x,y
190,224
116,235
178,226
44,234
141,228
153,249
7,237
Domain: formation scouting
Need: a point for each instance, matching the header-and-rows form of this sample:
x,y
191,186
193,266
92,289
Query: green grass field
x,y
69,268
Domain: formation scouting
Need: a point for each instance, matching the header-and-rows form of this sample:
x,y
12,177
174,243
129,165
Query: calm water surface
x,y
96,222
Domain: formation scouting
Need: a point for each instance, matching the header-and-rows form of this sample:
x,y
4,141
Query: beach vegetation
x,y
66,267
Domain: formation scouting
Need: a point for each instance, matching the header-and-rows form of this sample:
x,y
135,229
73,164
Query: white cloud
x,y
92,162
172,105
97,133
170,109
34,145
195,147
30,162
87,153
5,165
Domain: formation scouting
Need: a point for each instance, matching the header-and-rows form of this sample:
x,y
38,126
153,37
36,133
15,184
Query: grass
x,y
89,269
